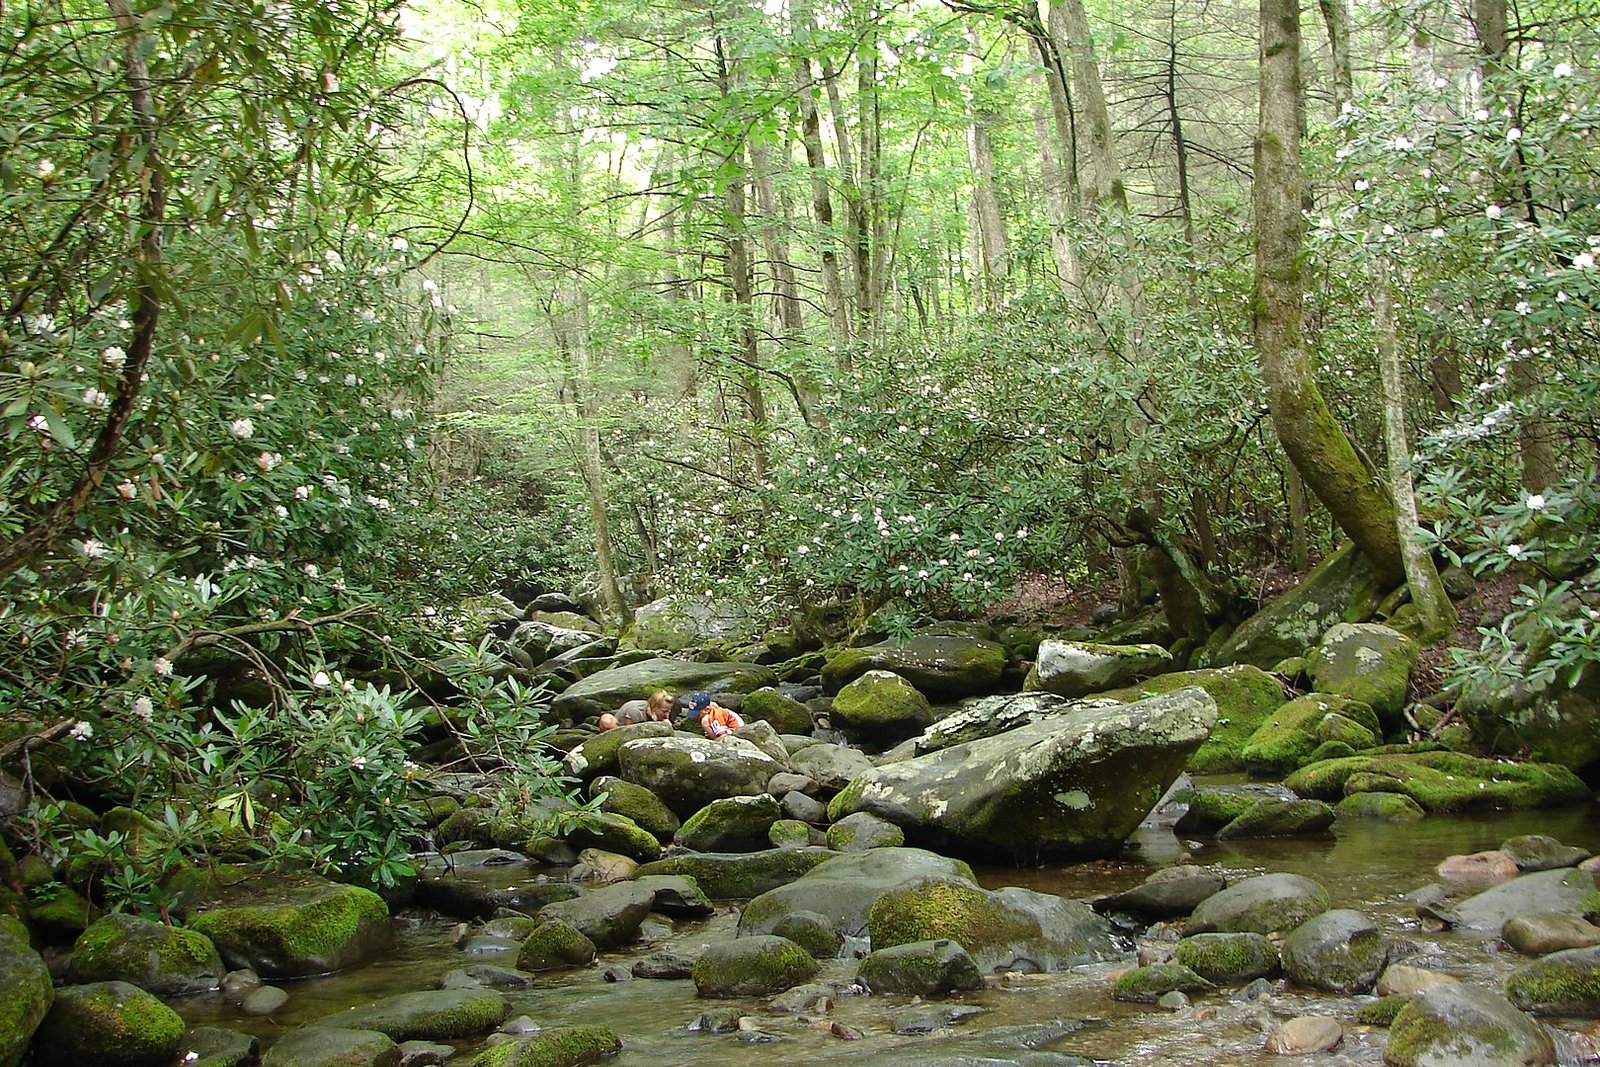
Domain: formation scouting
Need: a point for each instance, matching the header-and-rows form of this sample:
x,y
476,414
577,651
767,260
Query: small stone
x,y
1253,991
716,1021
1540,852
1541,933
664,964
1305,1035
847,1033
1401,979
235,984
423,1053
617,973
263,1000
522,1024
1476,872
1173,1001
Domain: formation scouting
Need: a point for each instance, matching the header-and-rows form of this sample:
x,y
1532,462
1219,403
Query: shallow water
x,y
1365,865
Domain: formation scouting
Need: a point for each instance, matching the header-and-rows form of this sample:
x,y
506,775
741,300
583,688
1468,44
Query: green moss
x,y
845,801
25,990
1442,781
1413,1034
431,1015
61,911
1244,695
790,832
1389,807
752,967
1330,750
327,932
1382,1011
160,958
555,943
571,1047
740,877
931,911
1289,736
787,716
1145,985
1212,809
111,1023
1228,958
615,833
1562,983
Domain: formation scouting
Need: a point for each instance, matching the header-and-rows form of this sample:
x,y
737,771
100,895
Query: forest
x,y
340,339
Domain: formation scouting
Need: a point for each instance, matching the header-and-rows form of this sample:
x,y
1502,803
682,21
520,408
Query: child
x,y
715,720
657,708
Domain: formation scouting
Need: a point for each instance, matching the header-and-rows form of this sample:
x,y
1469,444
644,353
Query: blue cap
x,y
694,704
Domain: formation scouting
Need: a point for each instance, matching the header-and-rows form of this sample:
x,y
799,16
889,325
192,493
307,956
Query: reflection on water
x,y
1365,865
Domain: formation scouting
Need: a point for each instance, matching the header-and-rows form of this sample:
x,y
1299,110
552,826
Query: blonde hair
x,y
660,700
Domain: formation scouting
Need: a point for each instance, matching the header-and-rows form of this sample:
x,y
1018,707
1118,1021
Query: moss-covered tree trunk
x,y
1305,424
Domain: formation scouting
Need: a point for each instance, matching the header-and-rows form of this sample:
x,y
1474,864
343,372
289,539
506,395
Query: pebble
x,y
1175,1000
1306,1034
1400,979
848,1033
424,1054
264,1000
521,1025
235,984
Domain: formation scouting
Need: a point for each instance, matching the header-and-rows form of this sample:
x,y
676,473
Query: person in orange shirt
x,y
717,721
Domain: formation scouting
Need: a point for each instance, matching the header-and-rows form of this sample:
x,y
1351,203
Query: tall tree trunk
x,y
1068,270
1336,17
1180,146
838,307
1306,426
994,259
573,336
1294,491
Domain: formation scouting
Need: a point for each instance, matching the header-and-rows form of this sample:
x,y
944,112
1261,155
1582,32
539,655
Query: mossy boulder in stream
x,y
25,991
1338,951
1383,807
598,755
108,1024
787,715
946,666
1146,985
756,966
305,926
609,916
212,1046
166,960
881,706
688,773
329,1046
860,831
1228,959
846,886
1265,904
1340,589
573,1046
921,969
1461,1024
553,944
1288,737
615,833
1562,983
1279,818
1080,668
1368,662
1442,781
731,824
637,803
1244,696
740,875
605,690
430,1015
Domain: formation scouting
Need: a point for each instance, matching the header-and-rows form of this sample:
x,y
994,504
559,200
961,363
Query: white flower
x,y
1482,114
1583,261
1362,185
320,678
400,244
429,285
268,460
39,423
90,548
144,708
81,731
95,399
1524,308
242,428
1492,211
801,550
280,511
1536,502
1514,134
46,169
1514,551
358,762
330,82
114,357
311,570
302,492
1563,70
127,490
162,666
1402,143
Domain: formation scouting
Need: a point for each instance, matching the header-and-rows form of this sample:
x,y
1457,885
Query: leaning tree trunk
x,y
1305,424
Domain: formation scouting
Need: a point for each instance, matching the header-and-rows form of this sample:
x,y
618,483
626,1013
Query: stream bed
x,y
1366,865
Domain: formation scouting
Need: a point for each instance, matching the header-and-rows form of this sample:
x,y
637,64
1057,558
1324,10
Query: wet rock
x,y
485,976
26,992
1566,892
1338,951
1169,893
486,946
1026,1045
297,927
861,830
677,896
609,916
1146,985
1402,980
1078,668
1289,737
1005,930
1304,1035
1208,809
1383,1011
732,824
553,944
573,1046
1540,933
212,1046
1476,872
927,1019
637,803
802,808
604,690
1008,796
599,755
1228,959
432,1015
881,706
327,1046
756,966
1383,807
263,1000
165,960
845,887
424,1053
792,833
1368,662
812,932
1265,904
475,885
813,998
987,716
1279,818
114,1024
666,964
945,666
1442,781
832,766
920,968
790,782
615,833
1562,983
688,773
1461,1024
509,927
1537,852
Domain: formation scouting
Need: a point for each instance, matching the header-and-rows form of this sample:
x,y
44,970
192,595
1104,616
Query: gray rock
x,y
939,665
431,1014
1340,589
1462,1024
803,808
1265,904
553,944
677,896
26,992
213,1046
1279,818
165,960
812,931
599,754
1538,852
1562,983
609,916
862,830
1563,891
845,887
920,968
785,782
1366,662
680,620
731,824
263,1000
991,715
1540,933
741,875
813,998
327,1046
881,706
637,803
1169,893
756,966
604,690
114,1024
1338,951
1079,668
485,976
667,963
1304,1035
688,773
832,767
424,1053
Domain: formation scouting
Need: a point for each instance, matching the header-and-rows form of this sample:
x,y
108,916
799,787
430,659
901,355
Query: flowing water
x,y
1037,1020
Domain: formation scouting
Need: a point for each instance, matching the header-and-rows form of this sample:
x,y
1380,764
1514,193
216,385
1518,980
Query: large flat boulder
x,y
1072,786
679,621
1083,668
1442,781
987,716
941,665
295,927
1245,696
604,690
688,773
844,888
739,875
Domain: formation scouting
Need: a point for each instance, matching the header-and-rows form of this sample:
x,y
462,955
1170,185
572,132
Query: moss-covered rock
x,y
1146,985
616,833
430,1015
789,833
114,1024
598,754
212,1046
845,887
1541,852
1385,807
881,706
756,966
812,931
920,968
1265,904
1340,589
1452,1024
610,916
939,665
1289,736
604,690
1562,983
688,773
1228,959
328,1046
573,1046
731,824
1367,662
1338,951
860,831
1382,1012
296,927
1279,818
25,991
787,715
1244,695
1168,893
1081,668
555,943
1442,781
1213,807
60,913
741,875
637,803
165,960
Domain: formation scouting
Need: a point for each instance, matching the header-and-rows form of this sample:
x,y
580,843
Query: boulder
x,y
853,833
1367,662
1288,738
328,1046
982,717
553,944
881,706
741,875
845,887
1401,980
599,754
792,833
1279,818
165,960
1338,951
755,966
109,1024
1146,985
1265,904
1381,807
431,1015
1304,1035
1442,781
1340,589
1462,1024
1169,893
296,926
1541,933
921,969
1244,696
812,932
609,916
615,833
211,1046
681,620
1211,807
1011,929
637,803
571,1046
688,773
1562,983
677,896
803,809
1073,786
832,767
732,824
1564,892
1474,873
1540,852
1080,668
25,991
604,690
787,715
945,666
476,884
1228,959
540,640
